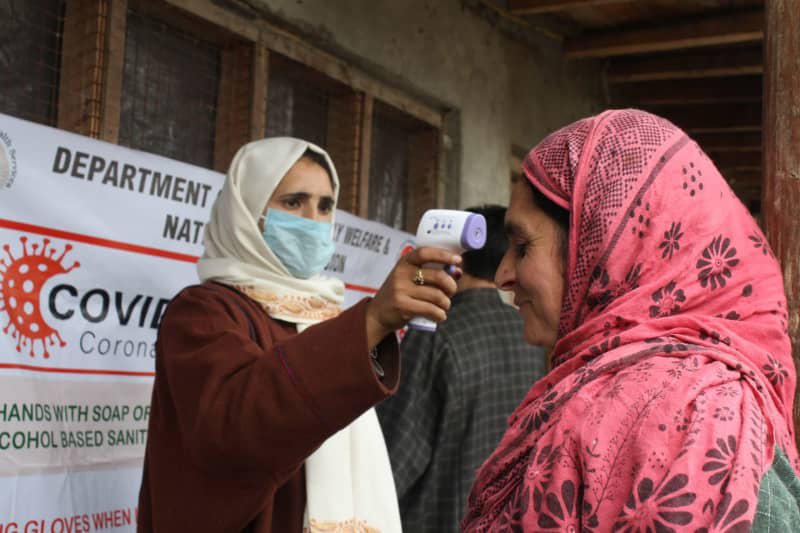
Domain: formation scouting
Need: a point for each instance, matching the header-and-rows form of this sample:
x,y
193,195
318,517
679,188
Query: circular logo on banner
x,y
407,246
8,161
21,284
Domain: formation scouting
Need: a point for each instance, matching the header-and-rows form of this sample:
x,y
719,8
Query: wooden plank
x,y
694,64
217,15
299,50
82,67
744,177
683,92
366,150
742,160
423,182
714,118
495,11
344,145
537,7
190,23
706,31
234,102
111,104
258,111
781,196
726,142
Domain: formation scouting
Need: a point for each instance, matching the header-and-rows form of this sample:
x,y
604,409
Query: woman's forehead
x,y
306,176
523,215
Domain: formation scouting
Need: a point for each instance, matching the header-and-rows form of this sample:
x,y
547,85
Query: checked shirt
x,y
457,388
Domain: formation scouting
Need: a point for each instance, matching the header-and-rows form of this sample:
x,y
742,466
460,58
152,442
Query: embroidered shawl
x,y
672,380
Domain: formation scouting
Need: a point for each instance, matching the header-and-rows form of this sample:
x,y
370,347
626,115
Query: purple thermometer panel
x,y
473,236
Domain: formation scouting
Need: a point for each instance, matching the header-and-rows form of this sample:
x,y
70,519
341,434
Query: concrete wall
x,y
505,92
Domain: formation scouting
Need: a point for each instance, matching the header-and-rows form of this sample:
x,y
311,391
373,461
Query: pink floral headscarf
x,y
673,379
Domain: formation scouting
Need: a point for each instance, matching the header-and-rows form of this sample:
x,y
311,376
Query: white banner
x,y
94,241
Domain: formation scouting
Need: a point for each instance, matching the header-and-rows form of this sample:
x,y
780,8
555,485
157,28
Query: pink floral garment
x,y
673,378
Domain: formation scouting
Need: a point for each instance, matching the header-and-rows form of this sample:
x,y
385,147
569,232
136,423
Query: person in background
x,y
261,417
669,403
458,387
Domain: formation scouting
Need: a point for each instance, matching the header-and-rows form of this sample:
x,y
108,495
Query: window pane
x,y
388,175
169,92
296,108
30,34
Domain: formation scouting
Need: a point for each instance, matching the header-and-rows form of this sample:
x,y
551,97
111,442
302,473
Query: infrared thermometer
x,y
453,230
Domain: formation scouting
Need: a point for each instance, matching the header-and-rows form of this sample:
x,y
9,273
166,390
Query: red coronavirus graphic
x,y
21,282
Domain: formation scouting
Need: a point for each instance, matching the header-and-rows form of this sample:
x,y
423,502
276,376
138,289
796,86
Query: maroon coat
x,y
233,418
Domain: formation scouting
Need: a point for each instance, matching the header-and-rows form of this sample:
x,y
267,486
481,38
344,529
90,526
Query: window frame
x,y
93,106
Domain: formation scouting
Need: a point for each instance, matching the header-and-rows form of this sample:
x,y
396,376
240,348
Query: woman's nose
x,y
319,216
311,212
504,277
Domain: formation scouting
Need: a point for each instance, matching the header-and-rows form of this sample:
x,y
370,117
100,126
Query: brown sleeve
x,y
261,411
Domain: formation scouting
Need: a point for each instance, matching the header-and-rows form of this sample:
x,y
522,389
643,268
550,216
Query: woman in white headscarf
x,y
262,415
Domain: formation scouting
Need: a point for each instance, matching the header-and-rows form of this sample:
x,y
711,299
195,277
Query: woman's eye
x,y
292,203
521,249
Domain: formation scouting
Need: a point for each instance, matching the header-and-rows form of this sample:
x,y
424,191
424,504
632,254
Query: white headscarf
x,y
235,251
349,482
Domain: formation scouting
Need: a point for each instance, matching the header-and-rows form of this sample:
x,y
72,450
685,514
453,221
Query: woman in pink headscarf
x,y
669,402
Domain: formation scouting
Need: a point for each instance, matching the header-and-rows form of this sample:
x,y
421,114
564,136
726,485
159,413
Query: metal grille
x,y
296,108
388,176
169,92
30,39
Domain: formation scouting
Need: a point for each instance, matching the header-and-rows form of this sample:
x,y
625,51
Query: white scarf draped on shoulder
x,y
349,483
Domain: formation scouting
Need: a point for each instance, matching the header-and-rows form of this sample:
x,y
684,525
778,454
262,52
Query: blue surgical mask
x,y
304,246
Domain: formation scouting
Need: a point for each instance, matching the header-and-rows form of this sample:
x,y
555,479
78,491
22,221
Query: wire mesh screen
x,y
296,108
30,34
169,91
388,176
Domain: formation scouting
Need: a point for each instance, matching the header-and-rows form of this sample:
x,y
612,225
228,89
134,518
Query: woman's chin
x,y
537,335
535,338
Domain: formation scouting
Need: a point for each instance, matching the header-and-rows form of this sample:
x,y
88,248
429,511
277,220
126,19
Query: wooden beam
x,y
537,7
743,160
683,92
258,112
744,177
781,157
84,53
423,171
234,102
366,150
714,118
694,64
111,105
728,142
706,31
219,16
344,145
292,46
687,92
